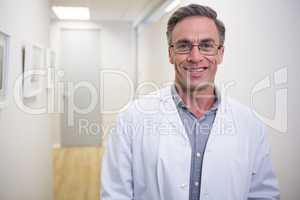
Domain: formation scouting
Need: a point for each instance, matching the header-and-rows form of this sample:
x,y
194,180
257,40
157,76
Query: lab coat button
x,y
183,186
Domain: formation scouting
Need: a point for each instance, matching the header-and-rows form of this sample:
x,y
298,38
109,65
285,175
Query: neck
x,y
197,101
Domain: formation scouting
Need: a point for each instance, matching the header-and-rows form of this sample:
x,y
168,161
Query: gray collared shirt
x,y
198,130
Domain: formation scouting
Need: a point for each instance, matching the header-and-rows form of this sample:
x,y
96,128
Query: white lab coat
x,y
148,155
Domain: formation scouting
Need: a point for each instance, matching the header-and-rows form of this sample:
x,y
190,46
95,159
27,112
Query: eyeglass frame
x,y
199,48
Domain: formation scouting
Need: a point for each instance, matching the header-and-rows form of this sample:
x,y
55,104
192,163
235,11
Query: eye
x,y
206,45
183,45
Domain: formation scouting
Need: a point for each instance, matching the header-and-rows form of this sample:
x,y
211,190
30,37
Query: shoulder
x,y
245,118
146,105
242,111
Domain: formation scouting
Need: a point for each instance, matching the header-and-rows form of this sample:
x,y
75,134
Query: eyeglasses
x,y
208,48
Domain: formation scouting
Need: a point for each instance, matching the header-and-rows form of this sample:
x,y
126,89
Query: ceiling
x,y
112,10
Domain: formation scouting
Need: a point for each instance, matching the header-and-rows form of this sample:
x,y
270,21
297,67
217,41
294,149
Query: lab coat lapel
x,y
173,166
224,120
170,116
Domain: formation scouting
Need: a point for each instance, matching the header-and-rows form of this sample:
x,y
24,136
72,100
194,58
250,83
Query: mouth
x,y
195,71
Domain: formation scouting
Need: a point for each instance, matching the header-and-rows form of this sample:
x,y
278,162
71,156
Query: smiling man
x,y
196,48
186,142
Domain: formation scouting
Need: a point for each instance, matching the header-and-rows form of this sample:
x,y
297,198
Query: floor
x,y
77,173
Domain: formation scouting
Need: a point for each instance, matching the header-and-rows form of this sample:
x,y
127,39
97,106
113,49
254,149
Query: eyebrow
x,y
207,40
183,41
201,41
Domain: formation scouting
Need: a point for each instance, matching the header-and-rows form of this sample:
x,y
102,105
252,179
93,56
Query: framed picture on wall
x,y
33,62
4,50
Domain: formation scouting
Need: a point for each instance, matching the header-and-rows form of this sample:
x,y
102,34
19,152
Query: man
x,y
186,141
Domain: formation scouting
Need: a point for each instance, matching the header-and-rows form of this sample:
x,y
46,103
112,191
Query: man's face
x,y
194,71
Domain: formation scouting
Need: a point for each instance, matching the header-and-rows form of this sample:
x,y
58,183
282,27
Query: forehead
x,y
195,28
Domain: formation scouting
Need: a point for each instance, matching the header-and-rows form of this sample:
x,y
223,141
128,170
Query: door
x,y
80,60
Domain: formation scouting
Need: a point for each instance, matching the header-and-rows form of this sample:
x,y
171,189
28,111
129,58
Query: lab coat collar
x,y
224,117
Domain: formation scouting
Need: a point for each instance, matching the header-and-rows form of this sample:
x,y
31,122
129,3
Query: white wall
x,y
117,53
153,62
25,142
262,37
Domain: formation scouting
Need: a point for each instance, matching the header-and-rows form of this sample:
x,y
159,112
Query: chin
x,y
196,85
199,87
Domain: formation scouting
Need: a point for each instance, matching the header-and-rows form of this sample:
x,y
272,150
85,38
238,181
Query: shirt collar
x,y
179,102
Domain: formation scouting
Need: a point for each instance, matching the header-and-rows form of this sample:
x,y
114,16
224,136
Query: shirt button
x,y
196,183
198,154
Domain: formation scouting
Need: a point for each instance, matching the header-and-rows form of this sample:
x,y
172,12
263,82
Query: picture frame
x,y
4,59
33,61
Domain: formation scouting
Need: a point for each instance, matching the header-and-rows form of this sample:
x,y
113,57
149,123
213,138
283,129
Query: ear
x,y
220,55
171,55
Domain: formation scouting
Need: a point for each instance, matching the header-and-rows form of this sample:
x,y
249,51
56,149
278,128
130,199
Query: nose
x,y
195,55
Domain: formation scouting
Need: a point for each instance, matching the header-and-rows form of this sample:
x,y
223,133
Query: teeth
x,y
197,70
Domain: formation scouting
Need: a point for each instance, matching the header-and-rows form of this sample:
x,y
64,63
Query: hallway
x,y
65,77
77,173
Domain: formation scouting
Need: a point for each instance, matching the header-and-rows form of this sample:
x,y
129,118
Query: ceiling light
x,y
172,5
72,13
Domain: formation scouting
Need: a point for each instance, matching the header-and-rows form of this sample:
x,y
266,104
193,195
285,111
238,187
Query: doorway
x,y
80,60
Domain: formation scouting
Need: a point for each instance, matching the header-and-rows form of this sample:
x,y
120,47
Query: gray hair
x,y
195,10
